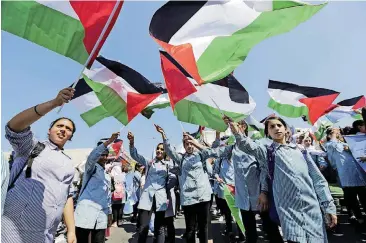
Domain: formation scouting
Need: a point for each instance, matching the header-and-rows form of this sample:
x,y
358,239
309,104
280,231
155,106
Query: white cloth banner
x,y
357,144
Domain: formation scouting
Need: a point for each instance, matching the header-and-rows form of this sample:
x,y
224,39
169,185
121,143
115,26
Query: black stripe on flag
x,y
168,19
134,78
237,92
176,64
81,89
350,102
305,90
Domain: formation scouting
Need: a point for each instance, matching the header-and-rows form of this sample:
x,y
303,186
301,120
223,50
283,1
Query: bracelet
x,y
35,110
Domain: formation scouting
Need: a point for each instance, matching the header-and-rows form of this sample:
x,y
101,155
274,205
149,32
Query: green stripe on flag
x,y
288,110
46,27
112,103
225,53
235,212
204,115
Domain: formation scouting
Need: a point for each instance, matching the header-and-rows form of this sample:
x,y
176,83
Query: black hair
x,y
65,118
273,118
357,124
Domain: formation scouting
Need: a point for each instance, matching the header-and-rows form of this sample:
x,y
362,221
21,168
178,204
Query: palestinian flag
x,y
211,38
101,93
293,100
229,194
320,127
204,105
346,108
70,28
141,84
115,148
255,128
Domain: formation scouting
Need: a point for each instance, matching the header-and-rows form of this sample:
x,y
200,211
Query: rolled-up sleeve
x,y
22,142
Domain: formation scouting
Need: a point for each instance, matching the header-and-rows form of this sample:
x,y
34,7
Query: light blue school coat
x,y
301,193
156,181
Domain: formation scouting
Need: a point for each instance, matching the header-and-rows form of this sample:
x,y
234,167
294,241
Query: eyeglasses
x,y
161,149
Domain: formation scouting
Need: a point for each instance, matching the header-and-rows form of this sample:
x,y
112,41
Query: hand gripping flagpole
x,y
96,45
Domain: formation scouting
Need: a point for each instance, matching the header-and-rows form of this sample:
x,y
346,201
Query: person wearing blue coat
x,y
195,187
350,175
250,179
298,193
154,194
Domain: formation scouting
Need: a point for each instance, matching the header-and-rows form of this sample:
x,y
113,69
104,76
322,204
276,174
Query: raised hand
x,y
113,137
131,137
64,96
159,129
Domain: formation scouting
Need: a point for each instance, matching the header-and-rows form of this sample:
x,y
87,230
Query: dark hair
x,y
311,138
65,118
357,124
273,118
348,131
164,154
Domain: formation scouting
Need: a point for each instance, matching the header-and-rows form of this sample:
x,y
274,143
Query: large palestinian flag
x,y
293,100
141,84
211,38
101,93
204,105
70,28
346,108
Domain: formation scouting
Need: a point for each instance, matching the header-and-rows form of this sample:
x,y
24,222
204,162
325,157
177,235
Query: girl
x,y
194,184
298,192
154,196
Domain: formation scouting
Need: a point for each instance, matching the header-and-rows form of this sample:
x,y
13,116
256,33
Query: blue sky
x,y
327,51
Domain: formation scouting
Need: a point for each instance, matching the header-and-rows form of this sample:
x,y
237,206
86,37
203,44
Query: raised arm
x,y
27,117
133,151
97,152
169,150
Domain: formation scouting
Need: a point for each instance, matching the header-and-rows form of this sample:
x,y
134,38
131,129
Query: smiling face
x,y
61,132
160,152
276,130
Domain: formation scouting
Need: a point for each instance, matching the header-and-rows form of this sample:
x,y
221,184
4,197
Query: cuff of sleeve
x,y
329,207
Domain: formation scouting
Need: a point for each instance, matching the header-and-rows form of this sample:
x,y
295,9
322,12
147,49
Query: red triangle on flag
x,y
137,102
360,104
318,105
177,84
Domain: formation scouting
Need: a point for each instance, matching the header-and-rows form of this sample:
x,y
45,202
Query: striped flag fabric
x,y
141,84
255,128
101,94
346,108
70,28
293,100
229,194
211,38
204,105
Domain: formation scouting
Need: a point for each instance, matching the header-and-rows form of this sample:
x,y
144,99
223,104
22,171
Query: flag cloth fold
x,y
229,194
204,105
141,84
101,93
346,108
70,28
293,100
211,38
